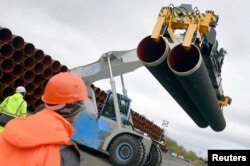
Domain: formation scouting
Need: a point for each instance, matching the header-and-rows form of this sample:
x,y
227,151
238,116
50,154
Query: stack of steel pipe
x,y
100,97
155,132
24,65
144,124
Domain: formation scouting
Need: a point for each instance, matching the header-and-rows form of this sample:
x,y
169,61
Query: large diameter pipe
x,y
29,99
5,35
18,57
38,68
38,92
29,88
7,65
7,79
18,82
47,73
7,91
6,50
188,66
28,49
39,55
47,61
38,80
153,55
29,76
63,68
17,42
29,63
18,70
55,66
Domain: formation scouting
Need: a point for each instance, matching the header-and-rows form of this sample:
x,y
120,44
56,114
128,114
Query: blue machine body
x,y
90,131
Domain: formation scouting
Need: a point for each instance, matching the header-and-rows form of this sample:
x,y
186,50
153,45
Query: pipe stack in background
x,y
147,126
24,65
100,97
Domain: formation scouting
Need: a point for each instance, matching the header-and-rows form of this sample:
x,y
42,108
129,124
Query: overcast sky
x,y
78,32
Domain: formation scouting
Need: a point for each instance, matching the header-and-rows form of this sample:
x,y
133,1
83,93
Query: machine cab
x,y
108,110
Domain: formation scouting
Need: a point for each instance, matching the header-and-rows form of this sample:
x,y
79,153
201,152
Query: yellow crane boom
x,y
172,18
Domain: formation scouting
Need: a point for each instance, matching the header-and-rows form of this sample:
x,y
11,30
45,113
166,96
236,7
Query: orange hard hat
x,y
65,88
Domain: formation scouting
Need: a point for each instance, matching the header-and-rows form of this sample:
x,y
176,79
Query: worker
x,y
13,106
44,138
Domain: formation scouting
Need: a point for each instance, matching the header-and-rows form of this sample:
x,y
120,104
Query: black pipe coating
x,y
153,55
190,70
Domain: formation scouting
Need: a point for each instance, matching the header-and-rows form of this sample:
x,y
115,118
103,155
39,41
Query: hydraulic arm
x,y
195,23
199,30
187,65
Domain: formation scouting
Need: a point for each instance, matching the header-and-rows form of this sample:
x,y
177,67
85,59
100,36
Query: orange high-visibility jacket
x,y
35,140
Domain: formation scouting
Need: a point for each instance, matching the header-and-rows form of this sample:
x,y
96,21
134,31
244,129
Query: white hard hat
x,y
20,89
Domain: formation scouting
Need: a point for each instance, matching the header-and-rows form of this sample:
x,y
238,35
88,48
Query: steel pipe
x,y
29,88
18,82
102,100
18,57
38,80
37,103
29,76
5,35
189,67
38,68
18,70
29,99
47,73
6,50
64,68
29,63
7,91
17,42
7,79
97,91
39,55
7,65
47,60
28,49
38,92
103,95
153,54
97,100
55,66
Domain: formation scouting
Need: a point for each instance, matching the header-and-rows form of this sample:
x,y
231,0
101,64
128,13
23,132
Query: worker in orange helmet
x,y
44,138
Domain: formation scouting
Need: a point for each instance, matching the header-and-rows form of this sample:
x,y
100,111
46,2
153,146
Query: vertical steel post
x,y
115,99
124,90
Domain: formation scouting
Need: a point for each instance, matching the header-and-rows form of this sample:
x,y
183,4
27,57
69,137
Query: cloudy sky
x,y
78,32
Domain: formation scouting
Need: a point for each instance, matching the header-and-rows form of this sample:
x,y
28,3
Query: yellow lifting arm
x,y
172,18
225,102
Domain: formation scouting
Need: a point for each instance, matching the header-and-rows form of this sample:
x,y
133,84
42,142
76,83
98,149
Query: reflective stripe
x,y
17,111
